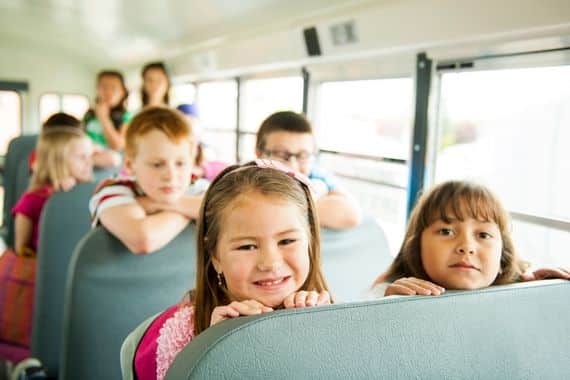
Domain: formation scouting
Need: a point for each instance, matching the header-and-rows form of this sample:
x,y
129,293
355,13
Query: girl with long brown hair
x,y
257,250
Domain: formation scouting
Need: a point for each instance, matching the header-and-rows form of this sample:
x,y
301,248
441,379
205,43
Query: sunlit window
x,y
367,117
509,130
217,108
182,94
359,124
262,97
75,105
11,116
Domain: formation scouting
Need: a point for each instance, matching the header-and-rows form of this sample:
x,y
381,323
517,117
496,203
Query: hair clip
x,y
265,163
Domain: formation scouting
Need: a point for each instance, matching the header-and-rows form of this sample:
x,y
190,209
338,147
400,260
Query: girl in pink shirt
x,y
258,250
63,159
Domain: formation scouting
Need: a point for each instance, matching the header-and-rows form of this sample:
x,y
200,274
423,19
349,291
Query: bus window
x,y
363,130
262,97
75,105
217,104
182,94
369,117
508,129
49,104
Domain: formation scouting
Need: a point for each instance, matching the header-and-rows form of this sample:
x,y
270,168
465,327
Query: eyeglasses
x,y
286,156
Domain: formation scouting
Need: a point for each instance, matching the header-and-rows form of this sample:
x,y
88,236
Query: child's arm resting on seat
x,y
338,210
142,233
410,286
23,229
187,205
544,273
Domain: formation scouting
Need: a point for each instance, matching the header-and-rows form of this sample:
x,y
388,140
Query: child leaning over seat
x,y
149,209
258,250
458,238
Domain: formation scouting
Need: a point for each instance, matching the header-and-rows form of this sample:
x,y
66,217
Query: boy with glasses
x,y
288,137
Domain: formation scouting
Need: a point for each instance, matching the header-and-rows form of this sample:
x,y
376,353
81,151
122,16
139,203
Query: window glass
x,y
182,94
262,97
369,117
246,147
49,104
217,104
508,129
219,145
11,116
75,105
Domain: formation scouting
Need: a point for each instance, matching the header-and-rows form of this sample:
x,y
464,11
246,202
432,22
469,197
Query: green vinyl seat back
x,y
64,221
19,150
515,331
110,291
352,259
19,185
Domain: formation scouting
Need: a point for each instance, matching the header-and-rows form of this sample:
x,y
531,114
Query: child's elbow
x,y
141,245
353,219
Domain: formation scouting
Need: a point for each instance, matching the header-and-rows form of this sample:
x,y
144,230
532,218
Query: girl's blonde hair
x,y
460,200
228,185
52,153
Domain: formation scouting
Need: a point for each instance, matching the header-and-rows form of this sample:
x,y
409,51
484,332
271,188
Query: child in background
x,y
258,250
102,158
149,209
458,238
107,122
63,160
203,168
288,137
156,85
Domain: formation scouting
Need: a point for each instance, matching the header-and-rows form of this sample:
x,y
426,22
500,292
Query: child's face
x,y
80,159
155,83
162,167
110,90
462,254
294,149
263,249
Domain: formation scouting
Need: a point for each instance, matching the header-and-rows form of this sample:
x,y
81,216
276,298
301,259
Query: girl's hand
x,y
304,298
237,309
67,183
544,273
102,111
410,286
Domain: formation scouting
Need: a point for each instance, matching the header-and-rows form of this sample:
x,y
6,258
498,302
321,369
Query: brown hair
x,y
461,200
166,120
284,121
62,119
52,150
228,185
122,106
155,66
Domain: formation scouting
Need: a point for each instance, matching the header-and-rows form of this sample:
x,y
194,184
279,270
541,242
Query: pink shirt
x,y
31,205
163,340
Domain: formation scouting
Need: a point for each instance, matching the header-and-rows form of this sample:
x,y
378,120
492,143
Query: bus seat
x,y
506,332
65,220
352,259
18,150
129,348
19,185
110,291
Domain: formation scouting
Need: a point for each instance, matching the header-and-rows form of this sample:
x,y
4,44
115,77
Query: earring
x,y
220,280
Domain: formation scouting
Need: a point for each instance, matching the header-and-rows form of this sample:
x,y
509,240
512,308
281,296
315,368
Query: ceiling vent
x,y
343,33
